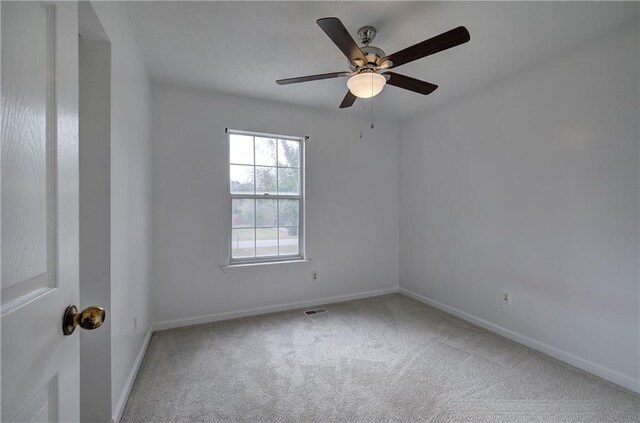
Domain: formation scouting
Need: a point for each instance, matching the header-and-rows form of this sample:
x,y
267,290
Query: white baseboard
x,y
124,395
581,363
190,321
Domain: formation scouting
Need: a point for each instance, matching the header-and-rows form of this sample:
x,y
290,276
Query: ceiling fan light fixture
x,y
366,85
369,65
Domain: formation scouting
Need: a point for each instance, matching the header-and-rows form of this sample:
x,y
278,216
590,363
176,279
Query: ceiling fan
x,y
369,64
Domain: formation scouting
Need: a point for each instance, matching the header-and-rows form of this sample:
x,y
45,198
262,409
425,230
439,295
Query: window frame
x,y
301,198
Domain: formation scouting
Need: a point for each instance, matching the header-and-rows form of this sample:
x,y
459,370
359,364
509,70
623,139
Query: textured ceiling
x,y
243,47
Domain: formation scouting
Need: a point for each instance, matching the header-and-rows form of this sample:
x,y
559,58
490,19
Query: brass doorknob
x,y
90,318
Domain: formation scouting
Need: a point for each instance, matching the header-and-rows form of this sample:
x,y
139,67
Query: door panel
x,y
27,30
42,407
39,205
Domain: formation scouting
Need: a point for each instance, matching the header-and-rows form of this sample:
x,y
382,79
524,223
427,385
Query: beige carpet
x,y
382,359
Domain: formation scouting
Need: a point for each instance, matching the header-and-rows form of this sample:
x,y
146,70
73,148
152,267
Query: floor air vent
x,y
316,311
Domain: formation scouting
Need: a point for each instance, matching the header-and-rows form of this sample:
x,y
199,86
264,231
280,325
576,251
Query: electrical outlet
x,y
134,325
506,297
314,275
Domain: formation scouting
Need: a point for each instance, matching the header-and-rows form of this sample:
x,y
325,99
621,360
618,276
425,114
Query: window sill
x,y
261,266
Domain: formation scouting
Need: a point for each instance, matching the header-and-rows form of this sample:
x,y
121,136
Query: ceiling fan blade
x,y
348,100
334,28
411,84
311,78
434,45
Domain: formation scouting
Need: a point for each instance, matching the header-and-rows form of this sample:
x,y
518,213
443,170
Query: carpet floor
x,y
382,359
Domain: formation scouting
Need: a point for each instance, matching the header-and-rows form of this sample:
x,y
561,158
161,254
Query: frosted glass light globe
x,y
366,85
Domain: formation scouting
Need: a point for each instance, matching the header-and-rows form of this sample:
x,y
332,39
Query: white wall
x,y
130,197
531,185
351,204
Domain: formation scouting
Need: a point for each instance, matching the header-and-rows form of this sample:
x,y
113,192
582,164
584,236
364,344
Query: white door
x,y
39,206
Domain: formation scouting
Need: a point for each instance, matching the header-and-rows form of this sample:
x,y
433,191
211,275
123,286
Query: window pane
x,y
288,153
266,180
241,179
288,181
266,152
240,149
262,170
243,243
288,211
288,241
266,242
266,213
242,213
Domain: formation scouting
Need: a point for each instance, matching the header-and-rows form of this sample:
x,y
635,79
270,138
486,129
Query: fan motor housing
x,y
374,57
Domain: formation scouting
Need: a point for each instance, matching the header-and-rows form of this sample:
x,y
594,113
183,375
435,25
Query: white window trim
x,y
256,262
262,266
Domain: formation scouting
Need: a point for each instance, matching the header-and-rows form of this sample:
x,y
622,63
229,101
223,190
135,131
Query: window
x,y
266,186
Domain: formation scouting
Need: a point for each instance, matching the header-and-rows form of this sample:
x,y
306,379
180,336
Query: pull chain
x,y
372,126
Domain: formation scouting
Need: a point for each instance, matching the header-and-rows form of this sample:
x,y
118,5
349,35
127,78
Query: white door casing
x,y
39,207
